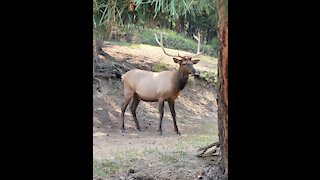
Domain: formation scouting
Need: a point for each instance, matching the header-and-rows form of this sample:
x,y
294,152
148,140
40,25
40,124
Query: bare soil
x,y
145,154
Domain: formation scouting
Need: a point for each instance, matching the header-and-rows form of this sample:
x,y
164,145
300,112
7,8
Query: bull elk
x,y
158,87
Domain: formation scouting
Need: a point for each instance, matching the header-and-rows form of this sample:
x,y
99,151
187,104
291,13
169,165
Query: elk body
x,y
158,87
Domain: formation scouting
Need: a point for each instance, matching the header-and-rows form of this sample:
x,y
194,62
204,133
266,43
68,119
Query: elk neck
x,y
182,78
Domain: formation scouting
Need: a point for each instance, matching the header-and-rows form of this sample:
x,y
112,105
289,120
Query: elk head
x,y
185,62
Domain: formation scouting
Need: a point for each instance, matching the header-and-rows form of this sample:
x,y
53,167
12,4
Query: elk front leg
x,y
161,104
173,113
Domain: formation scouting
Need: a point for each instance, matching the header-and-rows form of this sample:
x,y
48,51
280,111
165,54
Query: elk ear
x,y
176,60
195,61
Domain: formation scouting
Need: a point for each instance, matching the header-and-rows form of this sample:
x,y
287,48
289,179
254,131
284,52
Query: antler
x,y
198,50
161,45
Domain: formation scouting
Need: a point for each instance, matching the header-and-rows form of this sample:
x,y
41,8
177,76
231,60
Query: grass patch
x,y
129,156
168,158
176,156
209,59
102,168
196,141
158,66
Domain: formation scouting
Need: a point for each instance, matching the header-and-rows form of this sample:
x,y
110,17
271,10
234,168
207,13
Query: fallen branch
x,y
209,150
209,146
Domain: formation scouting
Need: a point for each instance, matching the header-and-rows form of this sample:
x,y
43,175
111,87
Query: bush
x,y
209,77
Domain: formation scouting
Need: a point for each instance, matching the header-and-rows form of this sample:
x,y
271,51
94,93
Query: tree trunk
x,y
208,35
223,96
167,23
177,27
182,25
190,29
223,83
219,171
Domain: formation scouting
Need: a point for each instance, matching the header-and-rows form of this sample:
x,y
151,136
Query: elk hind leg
x,y
127,97
134,105
161,104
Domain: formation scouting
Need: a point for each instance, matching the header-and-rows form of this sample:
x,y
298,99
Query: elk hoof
x,y
178,133
139,129
122,130
160,133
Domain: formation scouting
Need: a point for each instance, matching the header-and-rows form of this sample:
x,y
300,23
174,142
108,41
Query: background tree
x,y
185,16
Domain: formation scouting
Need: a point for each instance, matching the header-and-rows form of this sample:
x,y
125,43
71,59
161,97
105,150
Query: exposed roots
x,y
212,154
105,69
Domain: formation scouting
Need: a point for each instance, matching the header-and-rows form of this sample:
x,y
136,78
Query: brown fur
x,y
155,86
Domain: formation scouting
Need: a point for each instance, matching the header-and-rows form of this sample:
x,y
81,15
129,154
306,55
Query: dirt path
x,y
146,154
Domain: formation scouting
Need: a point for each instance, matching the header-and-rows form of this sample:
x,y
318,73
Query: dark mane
x,y
182,81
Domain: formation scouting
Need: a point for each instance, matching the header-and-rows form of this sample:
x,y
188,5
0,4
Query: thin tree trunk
x,y
177,27
182,25
208,35
167,23
190,29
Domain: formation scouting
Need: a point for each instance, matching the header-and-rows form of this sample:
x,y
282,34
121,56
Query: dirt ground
x,y
145,154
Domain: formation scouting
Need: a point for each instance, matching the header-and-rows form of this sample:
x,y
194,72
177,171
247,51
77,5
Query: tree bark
x,y
223,95
219,170
223,83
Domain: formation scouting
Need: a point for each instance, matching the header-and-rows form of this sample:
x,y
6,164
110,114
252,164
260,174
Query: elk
x,y
158,87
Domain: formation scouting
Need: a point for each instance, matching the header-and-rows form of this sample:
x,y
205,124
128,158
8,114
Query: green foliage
x,y
171,40
158,66
214,42
209,77
114,15
107,15
175,8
